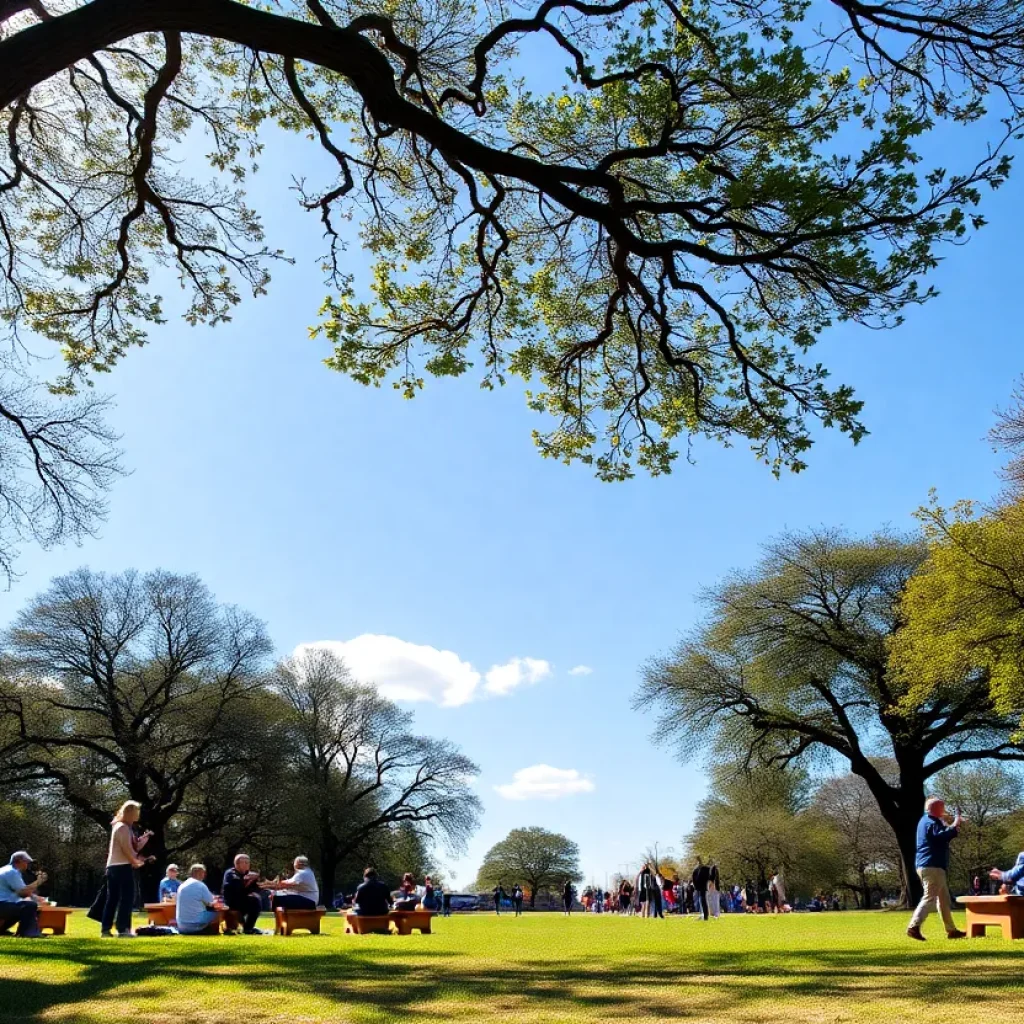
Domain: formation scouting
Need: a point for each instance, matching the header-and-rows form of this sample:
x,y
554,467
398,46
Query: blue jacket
x,y
933,838
1015,876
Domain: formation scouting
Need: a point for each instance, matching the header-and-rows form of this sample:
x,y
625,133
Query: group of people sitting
x,y
198,909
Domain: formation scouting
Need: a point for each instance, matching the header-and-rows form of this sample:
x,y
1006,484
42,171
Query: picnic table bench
x,y
403,921
361,924
1006,912
406,920
288,919
54,918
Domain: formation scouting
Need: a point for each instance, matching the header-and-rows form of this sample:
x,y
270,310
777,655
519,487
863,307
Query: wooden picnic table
x,y
1006,912
160,914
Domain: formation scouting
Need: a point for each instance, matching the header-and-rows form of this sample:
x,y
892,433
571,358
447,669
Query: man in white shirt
x,y
197,907
18,901
302,891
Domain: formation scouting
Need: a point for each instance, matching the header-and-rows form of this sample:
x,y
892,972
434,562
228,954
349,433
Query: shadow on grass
x,y
411,981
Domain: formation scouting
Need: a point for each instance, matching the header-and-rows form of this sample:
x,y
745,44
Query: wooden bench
x,y
160,915
1006,912
407,920
288,919
356,924
54,918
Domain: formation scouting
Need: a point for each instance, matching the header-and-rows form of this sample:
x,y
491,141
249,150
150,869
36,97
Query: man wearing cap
x,y
18,901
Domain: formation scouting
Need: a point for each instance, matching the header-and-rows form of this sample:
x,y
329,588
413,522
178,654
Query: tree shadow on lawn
x,y
411,980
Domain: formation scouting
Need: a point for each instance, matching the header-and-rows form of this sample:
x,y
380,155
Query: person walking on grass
x,y
567,898
714,894
932,864
701,877
499,895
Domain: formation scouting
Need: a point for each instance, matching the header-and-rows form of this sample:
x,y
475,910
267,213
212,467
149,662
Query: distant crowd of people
x,y
653,894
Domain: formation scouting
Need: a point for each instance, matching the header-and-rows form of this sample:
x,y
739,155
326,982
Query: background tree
x,y
756,823
57,459
964,609
131,686
541,861
793,663
359,770
654,244
865,844
987,795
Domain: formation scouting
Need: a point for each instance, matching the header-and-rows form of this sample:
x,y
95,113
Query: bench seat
x,y
408,920
55,919
357,924
288,919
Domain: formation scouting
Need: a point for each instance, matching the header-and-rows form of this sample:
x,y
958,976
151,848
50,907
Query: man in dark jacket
x,y
372,898
241,893
701,877
932,863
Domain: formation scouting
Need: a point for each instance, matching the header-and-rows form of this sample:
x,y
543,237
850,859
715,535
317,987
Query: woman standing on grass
x,y
122,859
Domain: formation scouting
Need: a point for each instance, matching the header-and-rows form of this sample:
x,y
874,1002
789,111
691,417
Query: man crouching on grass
x,y
932,863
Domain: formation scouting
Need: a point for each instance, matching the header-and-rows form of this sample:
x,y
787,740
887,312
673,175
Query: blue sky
x,y
336,512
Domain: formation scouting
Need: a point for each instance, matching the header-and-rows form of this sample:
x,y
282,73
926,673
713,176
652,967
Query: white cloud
x,y
417,672
581,670
404,671
516,672
542,782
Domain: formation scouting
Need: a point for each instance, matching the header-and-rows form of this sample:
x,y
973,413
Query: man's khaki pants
x,y
936,893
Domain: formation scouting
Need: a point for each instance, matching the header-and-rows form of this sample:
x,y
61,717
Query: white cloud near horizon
x,y
516,672
581,670
418,673
542,782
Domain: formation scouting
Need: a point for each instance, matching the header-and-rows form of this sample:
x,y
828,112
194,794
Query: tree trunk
x,y
533,897
328,872
905,828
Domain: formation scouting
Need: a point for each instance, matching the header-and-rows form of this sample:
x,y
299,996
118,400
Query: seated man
x,y
18,901
197,906
241,893
169,884
372,898
1013,879
303,894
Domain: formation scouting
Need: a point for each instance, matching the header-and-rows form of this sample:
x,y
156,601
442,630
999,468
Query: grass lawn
x,y
743,970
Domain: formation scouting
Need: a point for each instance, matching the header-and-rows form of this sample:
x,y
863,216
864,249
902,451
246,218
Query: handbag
x,y
95,912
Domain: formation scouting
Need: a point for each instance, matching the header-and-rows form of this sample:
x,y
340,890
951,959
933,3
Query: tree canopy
x,y
794,663
539,860
653,239
964,609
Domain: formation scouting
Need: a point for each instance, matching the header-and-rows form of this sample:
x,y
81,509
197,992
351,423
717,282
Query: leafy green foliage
x,y
653,246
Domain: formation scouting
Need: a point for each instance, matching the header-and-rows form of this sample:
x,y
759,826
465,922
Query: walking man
x,y
932,863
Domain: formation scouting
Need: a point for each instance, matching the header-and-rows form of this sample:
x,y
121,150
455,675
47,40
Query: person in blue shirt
x,y
932,864
169,884
1012,879
18,901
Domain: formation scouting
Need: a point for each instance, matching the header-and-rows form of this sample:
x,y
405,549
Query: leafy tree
x,y
131,686
756,823
656,245
540,860
987,795
793,663
865,843
359,771
965,608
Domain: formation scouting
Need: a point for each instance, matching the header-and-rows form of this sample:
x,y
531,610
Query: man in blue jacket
x,y
932,863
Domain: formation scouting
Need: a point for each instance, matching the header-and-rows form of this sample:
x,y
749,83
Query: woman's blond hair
x,y
124,807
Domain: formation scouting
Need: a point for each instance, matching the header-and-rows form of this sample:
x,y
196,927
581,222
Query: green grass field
x,y
800,968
